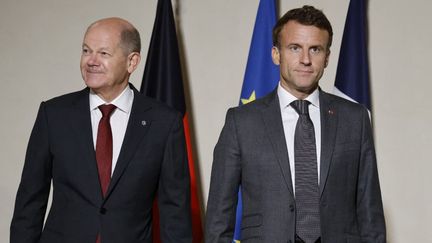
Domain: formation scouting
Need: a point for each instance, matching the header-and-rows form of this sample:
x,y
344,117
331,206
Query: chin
x,y
307,88
94,84
306,85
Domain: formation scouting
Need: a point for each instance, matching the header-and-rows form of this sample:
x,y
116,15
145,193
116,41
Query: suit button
x,y
102,211
291,207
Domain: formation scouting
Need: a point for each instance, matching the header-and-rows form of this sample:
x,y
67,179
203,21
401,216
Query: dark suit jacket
x,y
252,151
152,162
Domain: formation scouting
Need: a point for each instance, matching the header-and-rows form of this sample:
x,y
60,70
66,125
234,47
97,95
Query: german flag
x,y
163,81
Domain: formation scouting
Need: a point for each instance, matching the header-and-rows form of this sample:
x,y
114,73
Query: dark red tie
x,y
104,149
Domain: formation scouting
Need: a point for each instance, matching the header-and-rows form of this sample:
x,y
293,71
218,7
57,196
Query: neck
x,y
110,94
300,94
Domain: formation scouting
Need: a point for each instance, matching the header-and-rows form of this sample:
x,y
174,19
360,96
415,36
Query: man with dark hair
x,y
307,15
108,151
304,158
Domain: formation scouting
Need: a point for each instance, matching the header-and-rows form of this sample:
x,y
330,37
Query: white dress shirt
x,y
289,120
119,119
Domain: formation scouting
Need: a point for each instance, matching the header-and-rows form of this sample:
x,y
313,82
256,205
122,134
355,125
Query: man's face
x,y
302,56
104,65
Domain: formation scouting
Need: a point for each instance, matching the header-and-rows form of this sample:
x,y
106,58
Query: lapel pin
x,y
331,112
143,123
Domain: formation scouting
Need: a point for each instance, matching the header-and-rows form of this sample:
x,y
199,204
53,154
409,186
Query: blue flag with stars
x,y
352,75
262,75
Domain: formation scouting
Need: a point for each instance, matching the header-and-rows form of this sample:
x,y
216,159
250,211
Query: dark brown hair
x,y
306,15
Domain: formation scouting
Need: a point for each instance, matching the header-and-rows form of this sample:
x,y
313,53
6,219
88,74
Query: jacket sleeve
x,y
225,181
32,196
369,203
174,189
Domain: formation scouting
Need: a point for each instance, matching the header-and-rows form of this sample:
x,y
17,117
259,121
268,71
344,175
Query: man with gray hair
x,y
108,151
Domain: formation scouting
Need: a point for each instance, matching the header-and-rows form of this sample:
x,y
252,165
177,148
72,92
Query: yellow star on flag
x,y
250,99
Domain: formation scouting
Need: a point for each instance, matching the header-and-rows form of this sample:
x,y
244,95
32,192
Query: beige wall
x,y
40,48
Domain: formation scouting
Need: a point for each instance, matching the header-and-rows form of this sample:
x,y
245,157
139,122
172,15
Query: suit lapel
x,y
138,125
274,129
329,119
82,130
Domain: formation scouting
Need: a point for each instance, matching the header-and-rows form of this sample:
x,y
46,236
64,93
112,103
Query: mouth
x,y
304,71
93,71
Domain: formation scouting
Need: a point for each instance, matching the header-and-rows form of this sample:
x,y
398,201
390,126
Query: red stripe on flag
x,y
195,205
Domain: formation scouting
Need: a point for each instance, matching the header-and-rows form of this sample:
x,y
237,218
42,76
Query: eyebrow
x,y
323,47
100,49
318,46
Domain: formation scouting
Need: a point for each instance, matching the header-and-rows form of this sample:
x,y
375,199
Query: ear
x,y
327,58
275,55
133,61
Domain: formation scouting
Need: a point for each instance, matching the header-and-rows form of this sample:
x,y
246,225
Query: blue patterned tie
x,y
306,175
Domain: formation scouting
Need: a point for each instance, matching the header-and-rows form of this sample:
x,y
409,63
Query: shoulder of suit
x,y
341,103
142,99
68,98
257,104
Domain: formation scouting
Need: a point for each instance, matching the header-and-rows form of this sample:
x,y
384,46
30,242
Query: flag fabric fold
x,y
352,75
162,77
163,81
261,75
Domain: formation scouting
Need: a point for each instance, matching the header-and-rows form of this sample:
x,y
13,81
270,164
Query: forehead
x,y
99,36
294,32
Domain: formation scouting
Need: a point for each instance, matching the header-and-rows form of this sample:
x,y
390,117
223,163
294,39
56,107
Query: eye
x,y
315,50
85,51
294,48
105,54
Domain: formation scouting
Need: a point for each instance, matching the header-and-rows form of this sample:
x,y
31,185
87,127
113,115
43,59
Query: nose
x,y
92,60
305,58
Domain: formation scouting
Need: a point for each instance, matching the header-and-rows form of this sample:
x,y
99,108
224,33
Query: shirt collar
x,y
123,102
285,97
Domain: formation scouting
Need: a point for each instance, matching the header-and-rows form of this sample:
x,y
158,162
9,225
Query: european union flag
x,y
352,75
261,75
